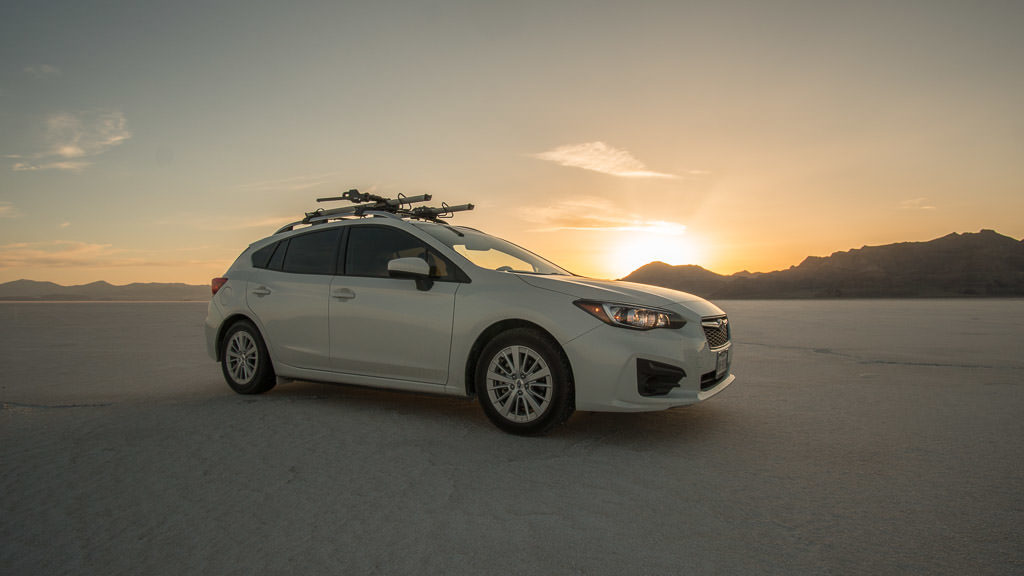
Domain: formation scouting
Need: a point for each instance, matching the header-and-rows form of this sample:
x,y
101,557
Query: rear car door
x,y
386,327
290,298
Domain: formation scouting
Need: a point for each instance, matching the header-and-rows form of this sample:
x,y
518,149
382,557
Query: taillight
x,y
216,283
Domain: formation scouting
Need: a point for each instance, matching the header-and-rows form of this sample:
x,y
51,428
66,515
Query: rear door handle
x,y
343,294
261,291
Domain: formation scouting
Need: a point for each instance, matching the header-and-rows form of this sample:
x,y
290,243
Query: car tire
x,y
524,383
245,361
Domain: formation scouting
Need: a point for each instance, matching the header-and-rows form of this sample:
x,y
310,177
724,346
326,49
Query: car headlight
x,y
627,316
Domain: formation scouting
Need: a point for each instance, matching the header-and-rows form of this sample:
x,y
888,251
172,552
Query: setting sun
x,y
638,248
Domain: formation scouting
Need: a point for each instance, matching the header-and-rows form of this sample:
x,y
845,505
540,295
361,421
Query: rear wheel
x,y
245,361
523,382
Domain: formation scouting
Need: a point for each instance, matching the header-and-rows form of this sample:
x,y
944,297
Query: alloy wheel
x,y
519,384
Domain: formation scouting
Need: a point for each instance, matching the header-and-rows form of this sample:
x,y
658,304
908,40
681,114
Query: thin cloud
x,y
60,254
293,183
71,138
86,134
7,210
600,157
205,222
67,166
916,204
73,254
597,215
635,225
274,222
42,71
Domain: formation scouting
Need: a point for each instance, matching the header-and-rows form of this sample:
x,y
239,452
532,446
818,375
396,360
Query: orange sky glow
x,y
154,143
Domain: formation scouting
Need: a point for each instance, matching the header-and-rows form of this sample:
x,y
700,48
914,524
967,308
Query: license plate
x,y
722,365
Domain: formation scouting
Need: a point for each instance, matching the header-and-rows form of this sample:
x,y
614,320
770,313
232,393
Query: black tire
x,y
245,361
524,383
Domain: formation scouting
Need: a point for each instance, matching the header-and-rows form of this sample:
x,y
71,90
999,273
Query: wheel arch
x,y
226,325
497,328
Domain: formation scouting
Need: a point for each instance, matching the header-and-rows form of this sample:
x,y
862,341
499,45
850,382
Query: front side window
x,y
312,253
370,248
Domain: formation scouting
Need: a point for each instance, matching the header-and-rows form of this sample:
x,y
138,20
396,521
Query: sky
x,y
153,141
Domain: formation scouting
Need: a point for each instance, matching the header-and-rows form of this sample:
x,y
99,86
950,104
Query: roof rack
x,y
373,205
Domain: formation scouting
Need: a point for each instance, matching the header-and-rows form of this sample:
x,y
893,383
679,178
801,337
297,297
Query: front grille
x,y
716,330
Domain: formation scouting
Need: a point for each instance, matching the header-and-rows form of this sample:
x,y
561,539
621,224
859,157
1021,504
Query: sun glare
x,y
634,249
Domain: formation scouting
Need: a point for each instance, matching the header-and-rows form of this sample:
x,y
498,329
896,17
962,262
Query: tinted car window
x,y
370,249
261,257
278,258
312,253
438,266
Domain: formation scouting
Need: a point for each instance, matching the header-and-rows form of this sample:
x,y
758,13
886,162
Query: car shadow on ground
x,y
682,424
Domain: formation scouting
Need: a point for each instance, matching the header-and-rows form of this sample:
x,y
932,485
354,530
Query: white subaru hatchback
x,y
384,296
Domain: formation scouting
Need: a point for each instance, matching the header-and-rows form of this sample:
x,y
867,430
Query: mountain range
x,y
32,290
985,263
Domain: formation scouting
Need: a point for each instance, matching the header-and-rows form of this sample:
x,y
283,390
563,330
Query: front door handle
x,y
261,291
343,294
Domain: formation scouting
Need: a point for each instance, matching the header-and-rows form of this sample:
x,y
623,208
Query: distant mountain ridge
x,y
984,263
103,291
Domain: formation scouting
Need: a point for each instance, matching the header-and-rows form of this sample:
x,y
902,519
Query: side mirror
x,y
415,268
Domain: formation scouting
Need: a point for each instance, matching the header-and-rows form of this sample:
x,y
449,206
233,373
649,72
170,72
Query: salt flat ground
x,y
860,437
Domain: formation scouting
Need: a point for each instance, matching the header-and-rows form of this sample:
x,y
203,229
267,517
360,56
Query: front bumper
x,y
604,364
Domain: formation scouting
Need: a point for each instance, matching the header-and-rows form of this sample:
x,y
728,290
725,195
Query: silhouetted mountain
x,y
973,264
32,290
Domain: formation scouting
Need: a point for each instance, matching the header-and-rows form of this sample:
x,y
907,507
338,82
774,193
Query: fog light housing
x,y
655,378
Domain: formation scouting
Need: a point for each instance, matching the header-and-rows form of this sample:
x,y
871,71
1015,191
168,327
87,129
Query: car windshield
x,y
489,252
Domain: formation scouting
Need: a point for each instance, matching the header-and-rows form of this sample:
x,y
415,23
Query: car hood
x,y
621,292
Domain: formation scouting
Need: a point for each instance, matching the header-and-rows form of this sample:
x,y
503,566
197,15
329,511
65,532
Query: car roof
x,y
375,218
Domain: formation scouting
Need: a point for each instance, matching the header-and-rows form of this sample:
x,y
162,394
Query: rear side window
x,y
261,257
278,258
312,253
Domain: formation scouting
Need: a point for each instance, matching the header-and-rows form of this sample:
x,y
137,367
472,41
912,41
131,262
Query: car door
x,y
290,298
387,327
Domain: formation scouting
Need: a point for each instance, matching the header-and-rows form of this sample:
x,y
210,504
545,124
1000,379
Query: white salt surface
x,y
860,437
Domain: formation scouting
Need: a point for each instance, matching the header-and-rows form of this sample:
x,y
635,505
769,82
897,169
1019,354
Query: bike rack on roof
x,y
373,205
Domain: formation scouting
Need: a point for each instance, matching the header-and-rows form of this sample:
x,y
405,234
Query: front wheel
x,y
523,382
245,361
